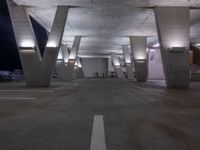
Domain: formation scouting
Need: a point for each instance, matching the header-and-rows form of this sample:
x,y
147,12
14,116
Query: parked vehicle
x,y
6,76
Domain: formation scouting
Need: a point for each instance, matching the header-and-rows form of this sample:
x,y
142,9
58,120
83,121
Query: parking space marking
x,y
98,141
17,98
40,91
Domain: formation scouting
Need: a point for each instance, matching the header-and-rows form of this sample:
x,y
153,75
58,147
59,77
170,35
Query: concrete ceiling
x,y
106,24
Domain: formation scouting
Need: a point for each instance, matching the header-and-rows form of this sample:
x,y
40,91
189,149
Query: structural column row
x,y
38,70
173,26
173,33
66,67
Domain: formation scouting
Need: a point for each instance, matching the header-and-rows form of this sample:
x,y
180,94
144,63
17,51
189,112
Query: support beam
x,y
72,58
173,32
117,66
128,62
38,71
138,47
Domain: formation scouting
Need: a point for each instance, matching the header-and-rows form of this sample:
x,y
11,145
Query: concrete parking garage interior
x,y
113,75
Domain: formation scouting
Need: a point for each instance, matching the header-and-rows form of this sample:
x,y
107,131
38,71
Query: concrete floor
x,y
137,116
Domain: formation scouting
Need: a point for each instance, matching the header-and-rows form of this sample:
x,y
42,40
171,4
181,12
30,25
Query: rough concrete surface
x,y
137,116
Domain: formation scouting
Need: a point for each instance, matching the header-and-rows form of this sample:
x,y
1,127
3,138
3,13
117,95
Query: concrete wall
x,y
93,65
155,65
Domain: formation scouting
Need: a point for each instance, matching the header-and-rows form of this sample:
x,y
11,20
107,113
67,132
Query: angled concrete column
x,y
173,32
128,62
61,63
65,53
80,69
72,58
78,72
117,66
38,71
138,47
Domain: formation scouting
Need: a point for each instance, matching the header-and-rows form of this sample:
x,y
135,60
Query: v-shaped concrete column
x,y
117,66
81,68
173,32
138,47
128,62
38,71
65,53
78,69
61,63
72,58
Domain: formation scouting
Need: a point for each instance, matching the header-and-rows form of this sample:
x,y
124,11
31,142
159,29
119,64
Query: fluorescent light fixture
x,y
156,45
128,60
198,44
51,44
176,44
177,49
140,61
140,57
27,43
79,65
28,51
116,64
152,50
59,60
71,57
66,60
71,60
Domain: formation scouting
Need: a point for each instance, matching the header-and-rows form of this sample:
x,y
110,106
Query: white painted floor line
x,y
98,141
41,91
17,98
